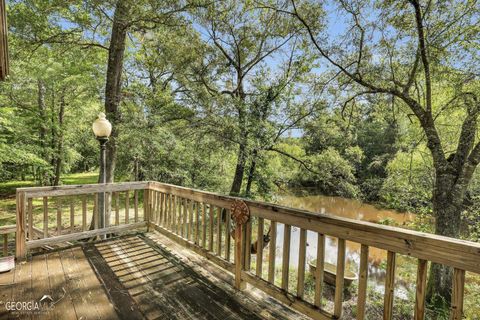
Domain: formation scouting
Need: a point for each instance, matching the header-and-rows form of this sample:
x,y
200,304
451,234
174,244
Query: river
x,y
347,208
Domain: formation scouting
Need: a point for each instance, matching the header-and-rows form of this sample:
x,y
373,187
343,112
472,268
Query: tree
x,y
51,87
392,52
245,98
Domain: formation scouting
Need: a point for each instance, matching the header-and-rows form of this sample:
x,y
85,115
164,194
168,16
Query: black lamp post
x,y
102,128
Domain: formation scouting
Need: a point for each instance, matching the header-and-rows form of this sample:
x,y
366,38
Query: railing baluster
x,y
457,294
302,251
204,225
108,209
178,214
337,310
95,211
181,213
210,240
272,252
165,210
219,231
362,282
159,220
389,286
154,202
259,263
286,256
127,207
180,219
197,223
420,289
168,210
59,216
162,210
320,265
84,213
30,218
174,214
182,216
72,216
227,236
117,208
147,205
135,203
185,218
45,217
190,221
248,245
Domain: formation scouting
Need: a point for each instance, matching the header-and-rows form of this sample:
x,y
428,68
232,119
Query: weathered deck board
x,y
162,286
40,284
255,300
129,277
7,279
22,288
65,276
57,278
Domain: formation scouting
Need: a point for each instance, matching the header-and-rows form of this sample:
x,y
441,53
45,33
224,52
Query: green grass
x,y
7,192
80,178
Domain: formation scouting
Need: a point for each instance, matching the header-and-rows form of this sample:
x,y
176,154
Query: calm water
x,y
347,208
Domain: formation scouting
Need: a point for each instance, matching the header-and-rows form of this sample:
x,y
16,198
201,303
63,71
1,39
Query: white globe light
x,y
101,126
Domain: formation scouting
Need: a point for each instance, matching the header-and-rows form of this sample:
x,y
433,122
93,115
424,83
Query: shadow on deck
x,y
142,276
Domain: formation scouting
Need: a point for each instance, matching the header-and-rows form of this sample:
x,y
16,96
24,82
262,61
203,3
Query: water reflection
x,y
347,208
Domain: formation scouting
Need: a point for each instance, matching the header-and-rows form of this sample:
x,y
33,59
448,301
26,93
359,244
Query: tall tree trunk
x,y
53,138
43,174
60,138
239,170
448,198
113,84
251,173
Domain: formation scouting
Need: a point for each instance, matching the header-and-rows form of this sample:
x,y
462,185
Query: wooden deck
x,y
130,277
65,276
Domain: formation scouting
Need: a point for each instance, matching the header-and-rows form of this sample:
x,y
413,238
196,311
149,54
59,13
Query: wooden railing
x,y
74,214
202,221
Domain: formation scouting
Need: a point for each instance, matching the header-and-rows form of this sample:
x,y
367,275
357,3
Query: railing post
x,y
240,214
20,240
239,284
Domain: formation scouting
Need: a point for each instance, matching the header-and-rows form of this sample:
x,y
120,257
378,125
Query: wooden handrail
x,y
37,192
201,221
27,235
459,254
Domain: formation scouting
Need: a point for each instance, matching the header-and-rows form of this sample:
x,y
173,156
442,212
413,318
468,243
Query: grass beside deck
x,y
7,192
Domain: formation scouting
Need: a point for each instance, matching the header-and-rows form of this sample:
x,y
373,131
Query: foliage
x,y
331,174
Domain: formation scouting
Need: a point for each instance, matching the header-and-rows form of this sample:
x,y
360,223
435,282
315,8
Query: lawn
x,y
7,192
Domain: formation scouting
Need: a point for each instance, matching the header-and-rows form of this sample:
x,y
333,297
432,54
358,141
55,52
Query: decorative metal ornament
x,y
240,212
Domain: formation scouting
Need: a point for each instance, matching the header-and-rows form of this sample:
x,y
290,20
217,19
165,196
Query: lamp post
x,y
102,128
